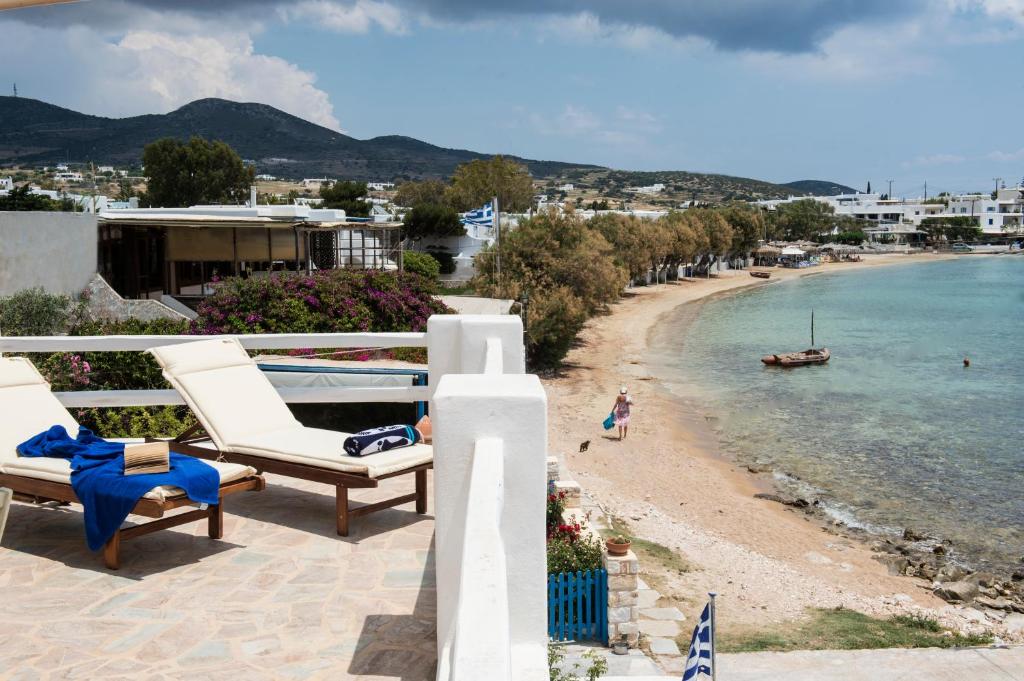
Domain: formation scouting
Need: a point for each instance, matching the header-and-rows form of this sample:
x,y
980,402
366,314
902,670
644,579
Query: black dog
x,y
584,446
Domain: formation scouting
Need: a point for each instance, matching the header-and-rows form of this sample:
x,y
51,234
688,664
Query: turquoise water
x,y
893,432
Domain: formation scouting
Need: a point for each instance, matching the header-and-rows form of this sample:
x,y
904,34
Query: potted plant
x,y
618,545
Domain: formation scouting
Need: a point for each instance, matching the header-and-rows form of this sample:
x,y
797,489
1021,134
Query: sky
x,y
851,91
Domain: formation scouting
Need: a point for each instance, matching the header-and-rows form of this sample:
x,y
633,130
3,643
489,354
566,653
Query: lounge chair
x,y
27,407
247,422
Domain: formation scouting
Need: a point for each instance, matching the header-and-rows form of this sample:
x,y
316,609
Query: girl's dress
x,y
622,412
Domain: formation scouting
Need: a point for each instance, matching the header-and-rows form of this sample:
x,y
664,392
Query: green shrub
x,y
34,312
445,258
422,264
566,555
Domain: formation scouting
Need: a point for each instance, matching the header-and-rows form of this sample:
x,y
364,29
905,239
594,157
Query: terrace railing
x,y
490,446
282,341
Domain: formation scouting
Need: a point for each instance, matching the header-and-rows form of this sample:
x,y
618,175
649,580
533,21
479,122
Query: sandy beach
x,y
670,483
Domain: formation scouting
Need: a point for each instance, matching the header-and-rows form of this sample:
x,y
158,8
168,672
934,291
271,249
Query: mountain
x,y
819,188
34,132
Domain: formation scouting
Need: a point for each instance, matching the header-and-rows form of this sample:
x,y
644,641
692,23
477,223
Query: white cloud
x,y
1006,156
150,71
357,17
1000,9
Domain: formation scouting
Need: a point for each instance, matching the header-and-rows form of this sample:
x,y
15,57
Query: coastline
x,y
672,484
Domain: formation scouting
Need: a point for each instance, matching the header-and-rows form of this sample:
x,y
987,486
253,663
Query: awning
x,y
793,250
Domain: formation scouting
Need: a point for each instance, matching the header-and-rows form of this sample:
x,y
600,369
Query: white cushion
x,y
27,407
59,470
224,388
324,448
243,413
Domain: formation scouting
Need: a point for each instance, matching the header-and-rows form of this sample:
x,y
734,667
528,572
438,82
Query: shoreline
x,y
672,483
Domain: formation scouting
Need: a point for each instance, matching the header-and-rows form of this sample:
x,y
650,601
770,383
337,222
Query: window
x,y
991,209
990,221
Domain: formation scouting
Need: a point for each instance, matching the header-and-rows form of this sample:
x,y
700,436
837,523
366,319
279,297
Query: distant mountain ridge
x,y
35,132
819,188
32,131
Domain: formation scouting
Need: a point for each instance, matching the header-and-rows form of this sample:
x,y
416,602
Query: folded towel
x,y
381,439
151,457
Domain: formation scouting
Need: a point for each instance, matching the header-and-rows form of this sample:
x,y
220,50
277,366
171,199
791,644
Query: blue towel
x,y
380,439
108,495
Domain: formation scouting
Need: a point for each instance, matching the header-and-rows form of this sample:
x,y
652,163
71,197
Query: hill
x,y
34,132
680,186
819,188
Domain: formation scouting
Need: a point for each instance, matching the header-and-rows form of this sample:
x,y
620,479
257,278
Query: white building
x,y
316,181
68,176
6,183
1001,215
655,188
266,178
380,186
568,187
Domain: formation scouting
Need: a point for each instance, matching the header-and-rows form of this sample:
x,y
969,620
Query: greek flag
x,y
481,217
700,658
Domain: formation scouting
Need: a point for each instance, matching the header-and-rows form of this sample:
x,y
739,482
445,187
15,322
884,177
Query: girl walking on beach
x,y
621,411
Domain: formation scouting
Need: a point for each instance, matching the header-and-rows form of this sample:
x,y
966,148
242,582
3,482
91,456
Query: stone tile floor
x,y
281,596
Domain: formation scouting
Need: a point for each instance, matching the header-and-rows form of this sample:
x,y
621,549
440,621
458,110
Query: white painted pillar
x,y
513,410
457,344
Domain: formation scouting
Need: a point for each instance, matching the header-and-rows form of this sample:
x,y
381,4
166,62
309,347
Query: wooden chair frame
x,y
39,491
344,512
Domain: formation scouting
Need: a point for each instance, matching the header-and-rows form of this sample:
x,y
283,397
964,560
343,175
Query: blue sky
x,y
844,90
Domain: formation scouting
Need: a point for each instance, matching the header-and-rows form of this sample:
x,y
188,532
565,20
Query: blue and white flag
x,y
481,217
700,659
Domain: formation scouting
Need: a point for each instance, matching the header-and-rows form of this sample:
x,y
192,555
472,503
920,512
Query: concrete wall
x,y
56,251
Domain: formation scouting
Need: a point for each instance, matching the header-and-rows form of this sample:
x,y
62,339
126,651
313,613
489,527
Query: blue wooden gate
x,y
578,606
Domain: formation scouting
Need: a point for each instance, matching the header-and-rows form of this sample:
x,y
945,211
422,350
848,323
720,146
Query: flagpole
x,y
497,232
714,663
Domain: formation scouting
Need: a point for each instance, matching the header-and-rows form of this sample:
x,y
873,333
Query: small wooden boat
x,y
796,359
761,275
799,359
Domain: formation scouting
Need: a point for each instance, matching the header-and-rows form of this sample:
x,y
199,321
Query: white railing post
x,y
512,409
457,344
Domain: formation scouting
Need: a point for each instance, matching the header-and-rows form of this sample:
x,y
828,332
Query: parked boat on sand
x,y
761,275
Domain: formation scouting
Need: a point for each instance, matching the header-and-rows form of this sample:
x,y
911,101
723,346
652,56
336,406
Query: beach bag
x,y
609,422
376,440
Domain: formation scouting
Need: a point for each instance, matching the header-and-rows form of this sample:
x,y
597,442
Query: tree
x,y
198,172
477,182
804,219
22,199
412,194
952,228
346,196
431,219
748,227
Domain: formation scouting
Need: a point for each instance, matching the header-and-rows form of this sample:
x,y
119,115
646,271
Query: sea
x,y
894,432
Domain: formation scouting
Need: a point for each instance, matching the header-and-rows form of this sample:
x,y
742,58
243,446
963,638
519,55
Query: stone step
x,y
668,614
661,628
664,647
647,598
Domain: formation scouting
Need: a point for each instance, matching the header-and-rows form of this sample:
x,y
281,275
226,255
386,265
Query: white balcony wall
x,y
490,447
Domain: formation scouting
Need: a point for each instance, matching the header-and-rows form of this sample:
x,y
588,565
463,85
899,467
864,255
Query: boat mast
x,y
812,328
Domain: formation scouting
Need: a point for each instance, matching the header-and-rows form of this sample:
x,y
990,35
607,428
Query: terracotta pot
x,y
617,549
